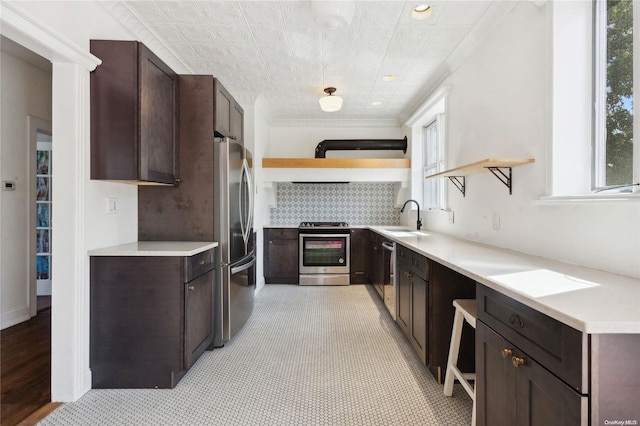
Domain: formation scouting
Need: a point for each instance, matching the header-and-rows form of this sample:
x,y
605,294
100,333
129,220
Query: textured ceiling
x,y
275,50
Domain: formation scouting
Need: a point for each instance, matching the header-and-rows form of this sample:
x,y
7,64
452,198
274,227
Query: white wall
x,y
26,90
498,107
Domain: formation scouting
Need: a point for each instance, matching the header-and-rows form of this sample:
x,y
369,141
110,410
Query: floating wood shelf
x,y
336,163
494,165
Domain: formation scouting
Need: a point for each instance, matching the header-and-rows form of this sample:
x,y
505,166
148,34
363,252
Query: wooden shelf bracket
x,y
502,176
459,182
499,167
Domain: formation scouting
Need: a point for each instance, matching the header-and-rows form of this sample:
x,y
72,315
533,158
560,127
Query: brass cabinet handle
x,y
517,361
192,288
201,262
408,274
506,353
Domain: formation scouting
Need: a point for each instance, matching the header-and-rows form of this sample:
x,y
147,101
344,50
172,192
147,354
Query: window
x,y
434,162
613,151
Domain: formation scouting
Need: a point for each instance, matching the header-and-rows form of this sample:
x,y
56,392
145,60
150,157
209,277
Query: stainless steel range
x,y
324,253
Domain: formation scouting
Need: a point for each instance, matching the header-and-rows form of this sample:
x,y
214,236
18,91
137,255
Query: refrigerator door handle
x,y
246,215
244,266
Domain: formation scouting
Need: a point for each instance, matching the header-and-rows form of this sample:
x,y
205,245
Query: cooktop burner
x,y
324,225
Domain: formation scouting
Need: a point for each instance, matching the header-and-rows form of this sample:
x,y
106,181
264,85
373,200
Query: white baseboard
x,y
16,316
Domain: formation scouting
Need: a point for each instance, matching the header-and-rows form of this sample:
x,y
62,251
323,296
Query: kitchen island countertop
x,y
155,248
589,300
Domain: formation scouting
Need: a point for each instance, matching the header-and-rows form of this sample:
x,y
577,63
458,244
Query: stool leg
x,y
454,348
473,410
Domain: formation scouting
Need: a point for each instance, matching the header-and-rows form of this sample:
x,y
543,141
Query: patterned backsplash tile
x,y
354,203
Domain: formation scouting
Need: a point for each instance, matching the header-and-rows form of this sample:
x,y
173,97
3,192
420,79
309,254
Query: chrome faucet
x,y
419,222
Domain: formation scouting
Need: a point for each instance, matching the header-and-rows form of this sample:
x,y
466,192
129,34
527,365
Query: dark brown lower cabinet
x,y
359,246
425,292
412,310
509,393
281,255
151,318
535,370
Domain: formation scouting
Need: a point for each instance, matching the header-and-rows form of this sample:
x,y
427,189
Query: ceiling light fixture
x,y
388,77
330,103
376,103
421,12
333,14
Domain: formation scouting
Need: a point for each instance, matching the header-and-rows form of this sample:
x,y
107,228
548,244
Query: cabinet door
x,y
198,316
543,399
282,261
419,335
237,123
495,379
527,395
222,111
358,255
403,293
158,120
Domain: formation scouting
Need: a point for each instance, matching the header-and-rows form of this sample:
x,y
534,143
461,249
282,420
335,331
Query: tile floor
x,y
307,356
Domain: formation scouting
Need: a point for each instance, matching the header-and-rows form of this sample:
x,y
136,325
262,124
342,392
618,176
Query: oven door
x,y
324,253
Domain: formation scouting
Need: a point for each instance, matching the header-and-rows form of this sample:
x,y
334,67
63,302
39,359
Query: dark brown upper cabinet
x,y
134,115
228,114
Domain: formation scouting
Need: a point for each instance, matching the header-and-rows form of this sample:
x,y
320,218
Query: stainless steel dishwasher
x,y
389,289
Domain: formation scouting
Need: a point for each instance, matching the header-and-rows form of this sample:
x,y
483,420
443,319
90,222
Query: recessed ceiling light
x,y
422,11
376,103
389,77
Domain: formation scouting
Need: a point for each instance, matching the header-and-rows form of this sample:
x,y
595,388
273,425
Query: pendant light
x,y
330,103
333,14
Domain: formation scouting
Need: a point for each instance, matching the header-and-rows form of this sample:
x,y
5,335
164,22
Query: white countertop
x,y
586,299
155,248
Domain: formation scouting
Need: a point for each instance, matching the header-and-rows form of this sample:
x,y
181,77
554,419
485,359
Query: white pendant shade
x,y
331,103
333,14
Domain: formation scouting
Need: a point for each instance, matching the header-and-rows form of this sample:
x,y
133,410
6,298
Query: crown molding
x,y
131,22
39,38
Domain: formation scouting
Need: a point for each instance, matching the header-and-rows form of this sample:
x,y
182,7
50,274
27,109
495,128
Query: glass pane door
x,y
43,214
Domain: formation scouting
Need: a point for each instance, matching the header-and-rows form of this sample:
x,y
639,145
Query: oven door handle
x,y
325,235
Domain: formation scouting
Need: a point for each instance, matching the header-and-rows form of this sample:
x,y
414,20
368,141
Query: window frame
x,y
436,166
599,142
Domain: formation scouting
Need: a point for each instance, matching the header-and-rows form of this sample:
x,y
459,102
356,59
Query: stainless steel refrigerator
x,y
233,229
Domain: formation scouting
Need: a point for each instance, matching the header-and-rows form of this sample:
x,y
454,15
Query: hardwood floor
x,y
25,371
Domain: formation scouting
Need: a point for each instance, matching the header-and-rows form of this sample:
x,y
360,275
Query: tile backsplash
x,y
354,203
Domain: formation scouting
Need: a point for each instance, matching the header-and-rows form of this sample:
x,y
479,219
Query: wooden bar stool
x,y
465,311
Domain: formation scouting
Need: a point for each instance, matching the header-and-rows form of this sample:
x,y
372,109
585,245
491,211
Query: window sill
x,y
627,197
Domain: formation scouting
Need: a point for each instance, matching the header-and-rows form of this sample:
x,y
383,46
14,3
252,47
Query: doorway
x,y
26,143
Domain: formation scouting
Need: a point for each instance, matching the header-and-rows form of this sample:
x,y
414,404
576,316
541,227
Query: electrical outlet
x,y
112,205
451,218
496,220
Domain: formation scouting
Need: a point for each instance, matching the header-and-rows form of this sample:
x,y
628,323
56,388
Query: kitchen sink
x,y
405,233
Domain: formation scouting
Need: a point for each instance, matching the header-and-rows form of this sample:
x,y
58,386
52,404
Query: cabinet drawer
x,y
282,233
420,265
417,263
558,347
404,254
198,264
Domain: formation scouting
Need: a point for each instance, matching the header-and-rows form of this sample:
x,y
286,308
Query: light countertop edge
x,y
601,302
155,248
